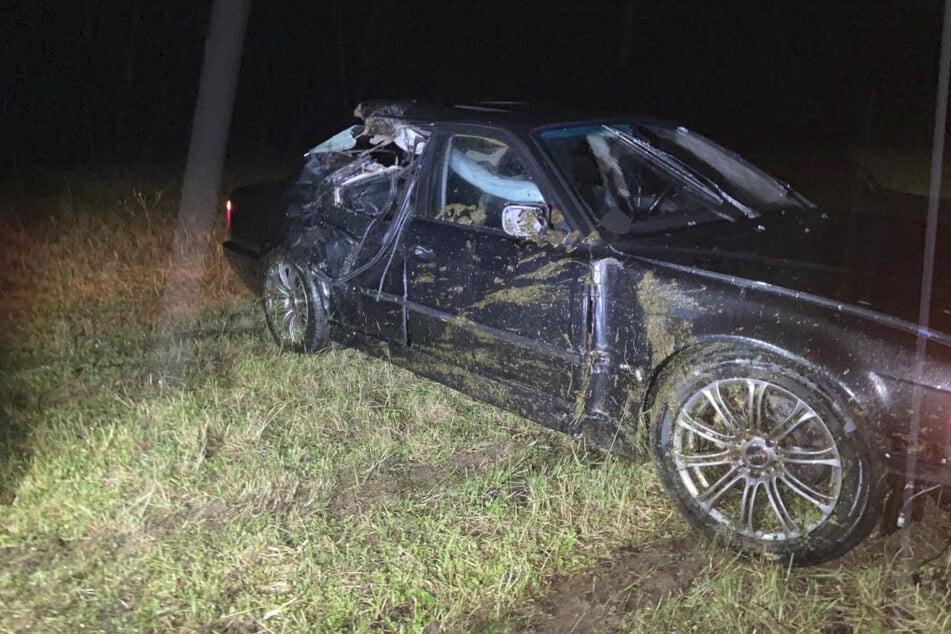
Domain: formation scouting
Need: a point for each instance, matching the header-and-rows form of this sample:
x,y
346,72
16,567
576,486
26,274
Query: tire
x,y
757,454
294,306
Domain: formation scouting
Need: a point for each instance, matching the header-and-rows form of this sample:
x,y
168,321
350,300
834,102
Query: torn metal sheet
x,y
346,195
340,142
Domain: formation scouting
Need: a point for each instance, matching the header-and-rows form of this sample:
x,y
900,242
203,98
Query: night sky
x,y
114,81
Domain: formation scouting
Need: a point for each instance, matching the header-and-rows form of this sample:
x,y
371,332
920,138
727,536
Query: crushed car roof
x,y
511,113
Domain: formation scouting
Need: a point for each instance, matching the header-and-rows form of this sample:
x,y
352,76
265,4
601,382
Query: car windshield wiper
x,y
674,165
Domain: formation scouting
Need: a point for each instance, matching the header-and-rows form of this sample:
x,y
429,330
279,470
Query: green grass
x,y
163,468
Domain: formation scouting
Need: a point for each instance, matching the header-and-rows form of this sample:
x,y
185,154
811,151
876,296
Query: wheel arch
x,y
844,395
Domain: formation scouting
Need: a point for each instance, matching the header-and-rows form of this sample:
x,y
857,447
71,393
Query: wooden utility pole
x,y
203,169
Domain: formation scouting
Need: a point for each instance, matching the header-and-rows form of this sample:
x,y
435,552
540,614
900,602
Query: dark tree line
x,y
106,81
99,79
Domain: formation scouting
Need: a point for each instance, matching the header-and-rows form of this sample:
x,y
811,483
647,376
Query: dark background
x,y
114,81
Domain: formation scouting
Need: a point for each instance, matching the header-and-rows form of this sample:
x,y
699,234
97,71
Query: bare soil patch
x,y
923,541
596,600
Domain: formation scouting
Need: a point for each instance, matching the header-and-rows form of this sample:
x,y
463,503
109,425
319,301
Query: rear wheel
x,y
293,305
755,452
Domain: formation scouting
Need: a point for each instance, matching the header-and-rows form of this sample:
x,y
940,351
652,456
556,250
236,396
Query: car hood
x,y
874,262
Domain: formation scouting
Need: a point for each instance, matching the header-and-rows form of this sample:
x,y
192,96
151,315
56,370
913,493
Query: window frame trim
x,y
440,144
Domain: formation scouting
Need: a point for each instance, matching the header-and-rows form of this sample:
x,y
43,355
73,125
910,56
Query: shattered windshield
x,y
644,178
743,183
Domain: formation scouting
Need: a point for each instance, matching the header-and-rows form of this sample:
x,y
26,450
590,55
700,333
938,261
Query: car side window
x,y
480,177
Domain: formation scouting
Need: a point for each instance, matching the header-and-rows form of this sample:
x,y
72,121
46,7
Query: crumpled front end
x,y
346,197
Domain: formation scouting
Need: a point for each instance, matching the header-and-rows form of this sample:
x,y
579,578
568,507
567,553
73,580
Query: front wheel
x,y
293,305
756,453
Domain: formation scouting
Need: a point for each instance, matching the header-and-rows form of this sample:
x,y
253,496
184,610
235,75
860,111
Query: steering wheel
x,y
669,191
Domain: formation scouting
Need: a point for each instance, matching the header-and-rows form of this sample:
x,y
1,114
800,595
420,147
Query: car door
x,y
502,306
372,302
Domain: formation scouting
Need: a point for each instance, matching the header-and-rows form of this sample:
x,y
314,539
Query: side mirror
x,y
525,220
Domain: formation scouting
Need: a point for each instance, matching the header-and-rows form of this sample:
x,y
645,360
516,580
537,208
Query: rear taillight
x,y
228,215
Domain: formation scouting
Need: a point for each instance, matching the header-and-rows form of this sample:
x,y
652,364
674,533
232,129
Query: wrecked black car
x,y
600,277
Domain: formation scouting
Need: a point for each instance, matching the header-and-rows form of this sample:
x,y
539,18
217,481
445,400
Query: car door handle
x,y
423,253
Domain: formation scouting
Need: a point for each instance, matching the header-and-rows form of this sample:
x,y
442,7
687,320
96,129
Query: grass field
x,y
163,468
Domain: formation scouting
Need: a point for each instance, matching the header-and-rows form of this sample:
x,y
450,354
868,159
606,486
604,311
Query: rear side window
x,y
480,176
